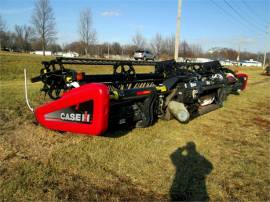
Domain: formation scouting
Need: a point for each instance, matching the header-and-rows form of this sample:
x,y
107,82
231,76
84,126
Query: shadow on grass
x,y
117,131
191,171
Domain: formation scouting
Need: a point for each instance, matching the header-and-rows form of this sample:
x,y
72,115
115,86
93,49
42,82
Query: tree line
x,y
41,35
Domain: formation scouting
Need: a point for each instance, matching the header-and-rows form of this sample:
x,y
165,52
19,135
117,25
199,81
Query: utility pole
x,y
264,59
267,46
108,50
238,56
177,34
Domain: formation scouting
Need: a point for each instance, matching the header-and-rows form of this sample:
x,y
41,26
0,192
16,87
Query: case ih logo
x,y
75,117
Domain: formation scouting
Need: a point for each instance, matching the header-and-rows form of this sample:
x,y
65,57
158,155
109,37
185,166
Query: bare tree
x,y
116,48
54,47
44,22
19,37
157,44
87,33
23,37
74,46
196,50
223,53
139,41
185,50
129,49
169,45
2,31
2,25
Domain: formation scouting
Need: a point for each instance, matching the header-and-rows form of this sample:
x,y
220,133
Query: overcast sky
x,y
210,23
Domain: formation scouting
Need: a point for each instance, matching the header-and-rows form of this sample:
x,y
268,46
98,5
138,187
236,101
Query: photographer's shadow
x,y
191,171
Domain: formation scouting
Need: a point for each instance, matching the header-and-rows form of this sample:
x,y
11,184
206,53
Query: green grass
x,y
39,164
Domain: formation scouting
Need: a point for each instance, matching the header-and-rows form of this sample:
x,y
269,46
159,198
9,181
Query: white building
x,y
69,54
48,53
181,59
202,60
251,63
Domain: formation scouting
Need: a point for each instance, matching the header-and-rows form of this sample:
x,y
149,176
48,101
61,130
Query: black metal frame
x,y
89,61
178,78
169,72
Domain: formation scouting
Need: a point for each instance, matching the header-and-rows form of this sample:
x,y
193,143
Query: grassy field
x,y
225,157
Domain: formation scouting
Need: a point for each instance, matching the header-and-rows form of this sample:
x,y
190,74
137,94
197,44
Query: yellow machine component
x,y
68,78
161,88
115,95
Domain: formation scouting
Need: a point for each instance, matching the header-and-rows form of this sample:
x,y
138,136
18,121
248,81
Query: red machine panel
x,y
82,110
243,78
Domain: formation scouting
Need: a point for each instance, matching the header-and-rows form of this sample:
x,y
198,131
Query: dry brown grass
x,y
39,164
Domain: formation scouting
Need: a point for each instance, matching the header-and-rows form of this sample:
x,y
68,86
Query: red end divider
x,y
244,78
81,110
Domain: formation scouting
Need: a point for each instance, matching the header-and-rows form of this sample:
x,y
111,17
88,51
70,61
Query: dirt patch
x,y
262,122
266,80
27,176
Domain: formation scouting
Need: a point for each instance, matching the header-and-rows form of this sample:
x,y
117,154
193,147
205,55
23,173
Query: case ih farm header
x,y
89,104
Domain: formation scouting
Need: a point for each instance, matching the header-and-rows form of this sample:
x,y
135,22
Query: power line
x,y
223,10
254,17
246,11
249,8
240,16
227,13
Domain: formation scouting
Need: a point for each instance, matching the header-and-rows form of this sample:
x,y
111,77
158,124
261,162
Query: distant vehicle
x,y
267,71
143,55
6,49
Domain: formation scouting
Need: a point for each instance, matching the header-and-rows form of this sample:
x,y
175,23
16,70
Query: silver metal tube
x,y
25,92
